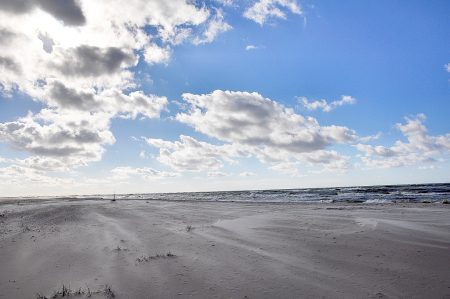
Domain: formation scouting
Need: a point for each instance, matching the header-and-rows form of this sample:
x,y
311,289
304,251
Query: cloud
x,y
73,138
447,67
143,154
249,125
216,25
218,174
78,58
89,61
371,137
42,163
131,105
6,35
154,54
226,2
110,101
9,64
324,105
250,119
20,176
67,11
420,147
76,129
110,39
251,47
124,173
189,154
262,10
70,98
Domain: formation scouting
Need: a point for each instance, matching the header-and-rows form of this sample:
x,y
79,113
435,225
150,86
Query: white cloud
x,y
216,25
371,137
251,47
420,147
68,11
110,101
143,154
77,57
324,105
132,105
124,173
155,54
18,176
250,119
106,40
189,154
262,10
447,67
250,125
226,2
73,138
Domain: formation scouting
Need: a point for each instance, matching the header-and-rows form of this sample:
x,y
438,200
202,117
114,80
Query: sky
x,y
170,96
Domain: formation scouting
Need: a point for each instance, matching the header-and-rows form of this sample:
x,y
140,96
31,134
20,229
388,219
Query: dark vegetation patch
x,y
148,258
67,292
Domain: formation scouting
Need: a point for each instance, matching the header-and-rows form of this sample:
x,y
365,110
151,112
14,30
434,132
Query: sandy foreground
x,y
156,249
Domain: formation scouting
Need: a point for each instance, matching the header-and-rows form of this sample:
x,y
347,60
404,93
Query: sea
x,y
422,193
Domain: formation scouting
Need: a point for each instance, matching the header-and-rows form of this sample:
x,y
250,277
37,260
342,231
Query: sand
x,y
156,249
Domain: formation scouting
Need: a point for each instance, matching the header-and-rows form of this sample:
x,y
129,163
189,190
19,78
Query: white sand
x,y
235,250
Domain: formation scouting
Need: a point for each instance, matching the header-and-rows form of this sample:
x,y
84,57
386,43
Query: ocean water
x,y
364,194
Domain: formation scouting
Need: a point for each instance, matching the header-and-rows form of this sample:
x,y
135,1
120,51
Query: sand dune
x,y
231,250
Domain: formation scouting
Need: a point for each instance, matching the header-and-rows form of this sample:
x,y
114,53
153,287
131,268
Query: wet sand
x,y
225,250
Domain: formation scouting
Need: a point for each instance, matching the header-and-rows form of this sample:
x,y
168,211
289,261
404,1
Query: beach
x,y
188,249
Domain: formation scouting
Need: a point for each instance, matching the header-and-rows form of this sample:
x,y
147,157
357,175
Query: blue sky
x,y
223,95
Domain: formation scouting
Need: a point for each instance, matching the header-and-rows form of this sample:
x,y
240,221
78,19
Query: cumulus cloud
x,y
419,148
252,120
249,125
73,138
110,101
263,10
109,41
189,154
324,105
155,54
89,61
131,105
67,11
6,35
9,64
76,130
70,98
371,137
77,58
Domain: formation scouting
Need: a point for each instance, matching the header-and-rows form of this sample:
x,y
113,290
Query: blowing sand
x,y
161,249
